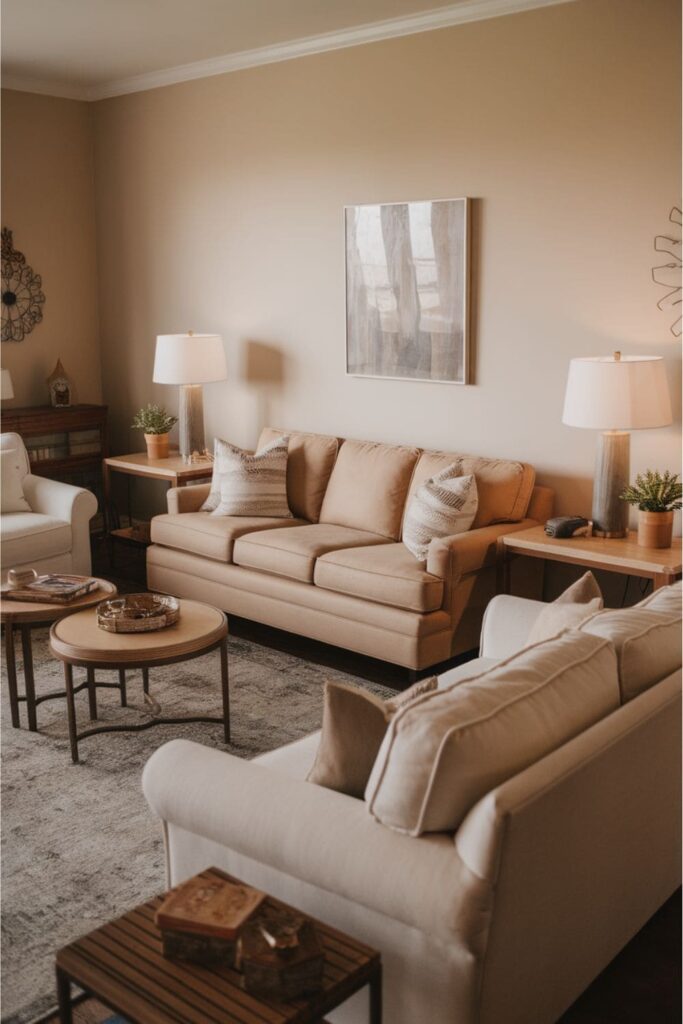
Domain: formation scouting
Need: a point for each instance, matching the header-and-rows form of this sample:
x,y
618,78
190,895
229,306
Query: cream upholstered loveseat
x,y
506,921
338,571
53,534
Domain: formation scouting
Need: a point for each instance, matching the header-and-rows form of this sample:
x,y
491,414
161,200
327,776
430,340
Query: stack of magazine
x,y
53,588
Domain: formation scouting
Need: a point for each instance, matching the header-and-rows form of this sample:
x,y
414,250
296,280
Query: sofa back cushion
x,y
309,464
368,487
446,750
665,600
647,642
504,487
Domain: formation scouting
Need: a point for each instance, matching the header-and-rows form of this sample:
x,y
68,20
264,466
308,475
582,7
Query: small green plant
x,y
654,492
154,419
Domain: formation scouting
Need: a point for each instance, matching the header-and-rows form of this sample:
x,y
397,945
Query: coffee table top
x,y
79,640
122,964
20,612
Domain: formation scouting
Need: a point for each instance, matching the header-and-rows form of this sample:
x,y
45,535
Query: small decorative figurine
x,y
60,386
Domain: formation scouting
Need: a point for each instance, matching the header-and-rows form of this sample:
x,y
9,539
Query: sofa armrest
x,y
449,558
73,505
315,835
187,499
506,625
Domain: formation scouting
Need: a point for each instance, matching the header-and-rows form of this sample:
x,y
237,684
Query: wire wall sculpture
x,y
22,293
669,274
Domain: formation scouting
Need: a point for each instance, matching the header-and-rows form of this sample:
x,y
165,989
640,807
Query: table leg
x,y
225,688
92,692
502,568
64,997
376,996
71,710
122,687
662,579
11,662
29,681
145,680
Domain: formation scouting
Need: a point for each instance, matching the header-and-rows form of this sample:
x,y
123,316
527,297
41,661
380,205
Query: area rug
x,y
79,844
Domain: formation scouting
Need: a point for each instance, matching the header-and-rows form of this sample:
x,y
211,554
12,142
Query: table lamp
x,y
614,395
190,360
6,389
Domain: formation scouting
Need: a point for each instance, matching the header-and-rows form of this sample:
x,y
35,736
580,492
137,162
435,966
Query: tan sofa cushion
x,y
200,533
446,750
504,487
292,553
388,574
368,487
354,724
310,462
666,600
647,642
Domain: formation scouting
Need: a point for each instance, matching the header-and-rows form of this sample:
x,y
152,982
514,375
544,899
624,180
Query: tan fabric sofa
x,y
507,920
338,571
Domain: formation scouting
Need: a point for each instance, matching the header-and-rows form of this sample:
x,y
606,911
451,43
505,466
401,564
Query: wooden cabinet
x,y
63,444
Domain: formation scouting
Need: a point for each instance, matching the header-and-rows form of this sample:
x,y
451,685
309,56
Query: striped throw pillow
x,y
441,506
249,485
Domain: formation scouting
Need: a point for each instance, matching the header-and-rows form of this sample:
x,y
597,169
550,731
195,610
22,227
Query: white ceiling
x,y
95,48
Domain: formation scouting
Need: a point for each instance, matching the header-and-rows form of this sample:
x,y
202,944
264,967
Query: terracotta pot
x,y
157,446
655,529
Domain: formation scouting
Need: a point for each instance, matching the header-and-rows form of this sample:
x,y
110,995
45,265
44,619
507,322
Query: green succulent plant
x,y
654,492
154,419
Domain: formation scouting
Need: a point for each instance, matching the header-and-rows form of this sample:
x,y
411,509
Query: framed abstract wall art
x,y
407,290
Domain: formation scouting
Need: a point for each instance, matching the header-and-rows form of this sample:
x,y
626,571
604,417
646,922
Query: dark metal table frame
x,y
144,664
28,697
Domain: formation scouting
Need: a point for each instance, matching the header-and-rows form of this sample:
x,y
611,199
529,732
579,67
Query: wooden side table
x,y
25,616
78,640
121,964
620,555
173,470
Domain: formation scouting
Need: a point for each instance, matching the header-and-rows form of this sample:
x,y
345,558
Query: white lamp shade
x,y
6,389
189,359
609,393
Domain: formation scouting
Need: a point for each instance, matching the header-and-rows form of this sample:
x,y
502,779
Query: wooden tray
x,y
138,613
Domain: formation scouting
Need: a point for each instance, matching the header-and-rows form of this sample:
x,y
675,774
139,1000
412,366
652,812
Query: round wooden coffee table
x,y
78,640
25,616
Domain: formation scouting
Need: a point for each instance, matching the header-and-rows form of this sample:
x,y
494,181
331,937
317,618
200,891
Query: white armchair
x,y
54,535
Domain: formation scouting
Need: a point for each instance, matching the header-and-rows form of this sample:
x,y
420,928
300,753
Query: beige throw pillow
x,y
647,642
354,724
576,604
442,506
444,751
11,486
245,484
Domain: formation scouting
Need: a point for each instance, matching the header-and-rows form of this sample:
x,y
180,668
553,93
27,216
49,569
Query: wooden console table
x,y
620,555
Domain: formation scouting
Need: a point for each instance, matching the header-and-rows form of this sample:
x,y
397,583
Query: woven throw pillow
x,y
249,485
12,489
576,604
443,505
354,724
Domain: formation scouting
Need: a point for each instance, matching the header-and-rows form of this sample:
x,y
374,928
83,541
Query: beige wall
x,y
48,202
220,208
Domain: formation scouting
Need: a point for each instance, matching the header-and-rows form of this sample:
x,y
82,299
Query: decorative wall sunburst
x,y
22,293
669,274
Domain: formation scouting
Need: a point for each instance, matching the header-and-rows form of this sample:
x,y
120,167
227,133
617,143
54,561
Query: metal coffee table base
x,y
71,690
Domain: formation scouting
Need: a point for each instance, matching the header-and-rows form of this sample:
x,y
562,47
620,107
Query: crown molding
x,y
44,87
393,28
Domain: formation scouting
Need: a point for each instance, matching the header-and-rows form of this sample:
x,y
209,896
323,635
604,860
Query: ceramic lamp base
x,y
191,420
610,513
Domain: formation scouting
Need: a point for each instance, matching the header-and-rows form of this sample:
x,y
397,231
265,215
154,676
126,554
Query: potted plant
x,y
156,423
657,497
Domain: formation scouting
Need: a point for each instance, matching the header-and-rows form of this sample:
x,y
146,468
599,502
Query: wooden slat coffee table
x,y
121,964
78,640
